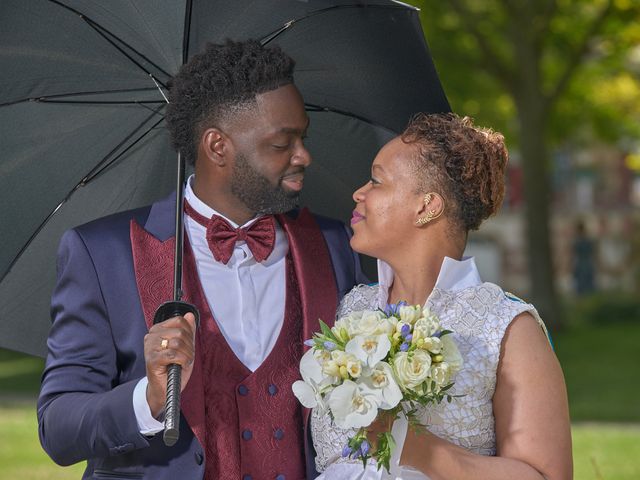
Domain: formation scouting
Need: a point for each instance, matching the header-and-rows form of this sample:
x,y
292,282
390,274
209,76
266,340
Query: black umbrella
x,y
81,117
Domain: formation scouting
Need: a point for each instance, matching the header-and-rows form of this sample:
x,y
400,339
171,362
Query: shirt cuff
x,y
147,425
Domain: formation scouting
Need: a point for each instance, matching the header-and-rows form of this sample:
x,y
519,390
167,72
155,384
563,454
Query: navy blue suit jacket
x,y
95,351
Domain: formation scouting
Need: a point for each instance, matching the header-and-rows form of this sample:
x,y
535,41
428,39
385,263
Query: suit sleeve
x,y
83,411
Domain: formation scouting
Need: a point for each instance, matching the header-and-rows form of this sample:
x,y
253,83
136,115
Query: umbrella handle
x,y
174,372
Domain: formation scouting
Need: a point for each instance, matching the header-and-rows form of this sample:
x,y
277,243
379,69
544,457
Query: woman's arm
x,y
533,435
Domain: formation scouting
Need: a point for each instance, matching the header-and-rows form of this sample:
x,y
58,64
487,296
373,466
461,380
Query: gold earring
x,y
431,214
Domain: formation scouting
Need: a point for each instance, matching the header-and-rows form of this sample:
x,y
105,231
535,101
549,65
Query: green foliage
x,y
480,51
19,373
604,308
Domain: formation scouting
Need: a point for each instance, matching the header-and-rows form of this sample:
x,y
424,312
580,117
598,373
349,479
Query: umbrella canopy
x,y
82,120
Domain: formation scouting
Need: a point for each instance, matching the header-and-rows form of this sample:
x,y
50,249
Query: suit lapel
x,y
153,250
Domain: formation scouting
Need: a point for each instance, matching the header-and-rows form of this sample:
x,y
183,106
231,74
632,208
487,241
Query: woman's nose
x,y
358,195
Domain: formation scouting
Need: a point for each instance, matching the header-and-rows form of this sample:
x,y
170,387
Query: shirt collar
x,y
204,209
454,275
280,249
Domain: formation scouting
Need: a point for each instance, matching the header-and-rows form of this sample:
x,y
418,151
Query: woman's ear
x,y
432,207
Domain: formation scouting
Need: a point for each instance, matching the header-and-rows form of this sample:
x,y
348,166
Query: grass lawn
x,y
21,456
601,365
600,451
599,359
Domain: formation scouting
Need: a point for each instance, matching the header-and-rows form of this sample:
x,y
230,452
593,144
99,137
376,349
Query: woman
x,y
429,187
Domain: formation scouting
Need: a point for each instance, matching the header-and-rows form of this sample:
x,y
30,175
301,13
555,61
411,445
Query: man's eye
x,y
374,181
281,147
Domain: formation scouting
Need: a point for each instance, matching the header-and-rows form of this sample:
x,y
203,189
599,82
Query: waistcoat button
x,y
280,477
247,434
247,477
278,434
272,389
243,390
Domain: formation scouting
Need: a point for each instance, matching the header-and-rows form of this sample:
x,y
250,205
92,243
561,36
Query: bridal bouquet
x,y
393,360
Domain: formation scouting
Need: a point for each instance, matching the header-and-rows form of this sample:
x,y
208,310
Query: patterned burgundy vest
x,y
249,424
253,421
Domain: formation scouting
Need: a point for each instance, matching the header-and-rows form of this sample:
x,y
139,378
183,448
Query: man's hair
x,y
218,82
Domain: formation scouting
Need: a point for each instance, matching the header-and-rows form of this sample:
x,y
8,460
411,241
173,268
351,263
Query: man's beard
x,y
257,193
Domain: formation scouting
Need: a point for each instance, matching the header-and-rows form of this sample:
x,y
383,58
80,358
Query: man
x,y
260,290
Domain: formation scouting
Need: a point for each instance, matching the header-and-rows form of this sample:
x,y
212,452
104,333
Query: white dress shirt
x,y
246,298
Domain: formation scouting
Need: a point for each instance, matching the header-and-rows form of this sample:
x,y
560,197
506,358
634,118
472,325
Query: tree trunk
x,y
532,111
537,194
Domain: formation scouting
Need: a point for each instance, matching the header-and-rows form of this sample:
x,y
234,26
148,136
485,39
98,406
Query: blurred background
x,y
561,80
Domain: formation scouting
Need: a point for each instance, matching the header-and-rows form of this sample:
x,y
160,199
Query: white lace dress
x,y
478,314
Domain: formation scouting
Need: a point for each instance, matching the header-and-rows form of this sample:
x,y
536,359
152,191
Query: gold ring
x,y
164,344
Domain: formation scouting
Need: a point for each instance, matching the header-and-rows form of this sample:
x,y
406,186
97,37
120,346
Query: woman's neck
x,y
414,282
415,275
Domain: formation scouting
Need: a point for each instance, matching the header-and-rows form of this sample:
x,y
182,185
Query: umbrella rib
x,y
187,31
46,98
105,163
88,178
271,36
141,103
317,108
104,32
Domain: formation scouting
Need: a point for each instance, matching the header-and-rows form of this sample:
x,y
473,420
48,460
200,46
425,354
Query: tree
x,y
500,59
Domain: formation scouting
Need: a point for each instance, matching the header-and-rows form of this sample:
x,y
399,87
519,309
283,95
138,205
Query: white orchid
x,y
369,349
309,389
353,405
381,380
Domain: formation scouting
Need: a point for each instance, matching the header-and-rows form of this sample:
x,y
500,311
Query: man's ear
x,y
215,145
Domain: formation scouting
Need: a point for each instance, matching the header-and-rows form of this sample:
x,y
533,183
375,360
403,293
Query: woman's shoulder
x,y
361,297
495,306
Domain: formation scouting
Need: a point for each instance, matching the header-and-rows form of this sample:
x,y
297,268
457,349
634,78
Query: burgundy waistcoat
x,y
248,423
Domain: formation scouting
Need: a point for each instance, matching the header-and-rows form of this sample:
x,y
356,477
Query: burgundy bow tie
x,y
222,236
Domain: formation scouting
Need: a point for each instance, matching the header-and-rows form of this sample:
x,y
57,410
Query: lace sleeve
x,y
361,297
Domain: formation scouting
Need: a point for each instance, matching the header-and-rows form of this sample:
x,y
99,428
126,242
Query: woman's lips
x,y
356,217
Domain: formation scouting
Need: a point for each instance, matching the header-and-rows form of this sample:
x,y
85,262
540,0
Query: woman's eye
x,y
281,147
374,181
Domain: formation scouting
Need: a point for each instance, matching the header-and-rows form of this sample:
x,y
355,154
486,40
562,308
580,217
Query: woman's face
x,y
386,206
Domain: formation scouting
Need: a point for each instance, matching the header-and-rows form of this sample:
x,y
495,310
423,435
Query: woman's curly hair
x,y
463,163
216,82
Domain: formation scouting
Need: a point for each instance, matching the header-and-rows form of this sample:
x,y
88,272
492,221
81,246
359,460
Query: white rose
x,y
432,317
370,323
441,374
409,313
353,405
425,327
411,369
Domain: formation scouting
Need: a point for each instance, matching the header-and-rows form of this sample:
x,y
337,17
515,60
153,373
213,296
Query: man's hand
x,y
171,341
